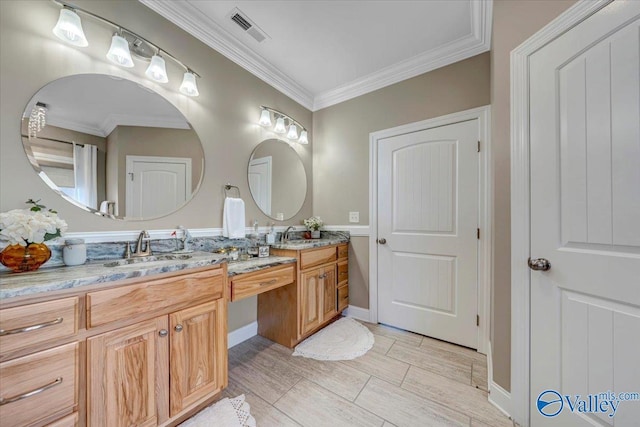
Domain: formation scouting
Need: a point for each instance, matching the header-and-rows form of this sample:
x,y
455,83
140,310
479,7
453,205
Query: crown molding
x,y
114,120
191,20
74,125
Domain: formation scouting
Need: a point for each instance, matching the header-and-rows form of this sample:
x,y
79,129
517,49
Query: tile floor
x,y
405,380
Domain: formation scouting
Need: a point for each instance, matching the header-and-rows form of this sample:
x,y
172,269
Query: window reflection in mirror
x,y
277,179
112,146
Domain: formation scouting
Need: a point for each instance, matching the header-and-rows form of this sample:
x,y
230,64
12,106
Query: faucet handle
x,y
127,251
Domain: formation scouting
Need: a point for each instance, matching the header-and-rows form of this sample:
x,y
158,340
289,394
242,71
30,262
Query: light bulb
x,y
157,70
188,86
303,137
265,118
293,132
69,28
280,128
119,52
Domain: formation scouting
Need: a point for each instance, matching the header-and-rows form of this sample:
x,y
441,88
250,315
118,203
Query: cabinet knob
x,y
163,332
178,328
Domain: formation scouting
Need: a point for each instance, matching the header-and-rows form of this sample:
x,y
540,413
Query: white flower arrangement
x,y
35,225
313,224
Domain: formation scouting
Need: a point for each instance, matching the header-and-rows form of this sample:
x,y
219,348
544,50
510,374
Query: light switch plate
x,y
354,216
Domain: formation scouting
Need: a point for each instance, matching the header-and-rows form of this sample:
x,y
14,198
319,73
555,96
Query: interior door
x,y
156,185
427,230
260,182
585,220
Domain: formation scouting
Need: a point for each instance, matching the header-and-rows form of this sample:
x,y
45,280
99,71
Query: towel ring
x,y
228,187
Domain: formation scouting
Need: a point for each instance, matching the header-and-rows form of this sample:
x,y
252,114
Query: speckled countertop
x,y
256,264
311,243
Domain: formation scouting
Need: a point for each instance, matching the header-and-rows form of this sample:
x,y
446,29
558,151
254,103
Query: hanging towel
x,y
233,218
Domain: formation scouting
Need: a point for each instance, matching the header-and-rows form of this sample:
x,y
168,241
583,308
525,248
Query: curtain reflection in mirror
x,y
85,171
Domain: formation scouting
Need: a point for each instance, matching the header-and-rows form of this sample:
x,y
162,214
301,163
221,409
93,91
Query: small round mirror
x,y
112,146
277,179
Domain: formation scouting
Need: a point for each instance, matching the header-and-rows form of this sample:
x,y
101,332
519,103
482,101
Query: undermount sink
x,y
150,258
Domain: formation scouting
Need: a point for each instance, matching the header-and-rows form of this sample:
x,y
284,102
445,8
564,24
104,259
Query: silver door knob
x,y
382,241
539,264
163,332
178,328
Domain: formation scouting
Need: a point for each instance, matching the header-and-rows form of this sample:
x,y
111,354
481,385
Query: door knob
x,y
539,264
178,328
382,241
163,332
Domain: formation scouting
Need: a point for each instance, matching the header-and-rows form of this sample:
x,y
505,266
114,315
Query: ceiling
x,y
321,53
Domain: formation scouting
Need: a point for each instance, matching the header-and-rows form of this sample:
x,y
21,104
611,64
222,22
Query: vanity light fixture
x,y
123,43
119,51
69,28
282,123
157,70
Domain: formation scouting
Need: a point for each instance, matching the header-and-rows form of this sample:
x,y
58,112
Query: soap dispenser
x,y
271,236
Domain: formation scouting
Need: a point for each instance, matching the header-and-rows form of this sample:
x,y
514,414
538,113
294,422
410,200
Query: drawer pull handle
x,y
270,282
4,401
31,328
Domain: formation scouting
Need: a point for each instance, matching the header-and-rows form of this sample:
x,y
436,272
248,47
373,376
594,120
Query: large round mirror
x,y
277,179
112,146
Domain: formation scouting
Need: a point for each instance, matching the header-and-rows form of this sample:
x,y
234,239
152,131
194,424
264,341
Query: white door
x,y
156,185
585,221
260,182
427,232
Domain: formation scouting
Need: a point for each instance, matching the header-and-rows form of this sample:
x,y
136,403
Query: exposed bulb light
x,y
280,127
293,132
119,52
189,86
157,70
265,118
69,28
303,137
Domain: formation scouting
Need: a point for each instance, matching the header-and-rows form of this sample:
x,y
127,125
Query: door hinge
x,y
478,234
477,320
478,146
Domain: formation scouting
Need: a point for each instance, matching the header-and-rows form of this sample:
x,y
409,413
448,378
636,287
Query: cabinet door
x,y
329,284
127,379
198,353
311,293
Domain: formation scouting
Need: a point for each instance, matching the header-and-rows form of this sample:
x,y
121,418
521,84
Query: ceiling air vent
x,y
247,25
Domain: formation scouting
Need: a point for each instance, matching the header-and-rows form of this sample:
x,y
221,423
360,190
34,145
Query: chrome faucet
x,y
147,250
285,235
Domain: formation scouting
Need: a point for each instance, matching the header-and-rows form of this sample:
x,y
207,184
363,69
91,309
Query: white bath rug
x,y
344,339
224,413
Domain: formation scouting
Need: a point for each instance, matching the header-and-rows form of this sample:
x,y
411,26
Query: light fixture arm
x,y
120,28
278,113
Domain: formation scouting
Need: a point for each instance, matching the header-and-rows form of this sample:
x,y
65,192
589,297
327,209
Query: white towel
x,y
104,206
233,223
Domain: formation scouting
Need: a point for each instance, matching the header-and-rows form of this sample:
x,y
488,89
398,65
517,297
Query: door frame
x,y
485,203
520,199
268,160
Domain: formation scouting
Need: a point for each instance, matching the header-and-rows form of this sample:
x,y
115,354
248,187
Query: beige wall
x,y
513,23
341,144
224,115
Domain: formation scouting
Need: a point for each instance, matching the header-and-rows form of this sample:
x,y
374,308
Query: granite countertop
x,y
310,243
57,278
256,264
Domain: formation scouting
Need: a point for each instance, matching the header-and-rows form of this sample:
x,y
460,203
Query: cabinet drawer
x,y
50,377
313,257
343,297
32,324
343,252
343,271
247,285
68,421
155,295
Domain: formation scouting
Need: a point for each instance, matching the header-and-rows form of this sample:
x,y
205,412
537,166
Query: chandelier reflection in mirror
x,y
37,119
123,43
283,125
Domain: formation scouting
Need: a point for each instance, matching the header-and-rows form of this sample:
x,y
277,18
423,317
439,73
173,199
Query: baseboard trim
x,y
357,313
498,396
242,334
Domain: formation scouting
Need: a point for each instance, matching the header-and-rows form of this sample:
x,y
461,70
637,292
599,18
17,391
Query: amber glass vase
x,y
25,258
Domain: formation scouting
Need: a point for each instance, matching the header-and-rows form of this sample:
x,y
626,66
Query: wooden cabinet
x,y
142,352
320,295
